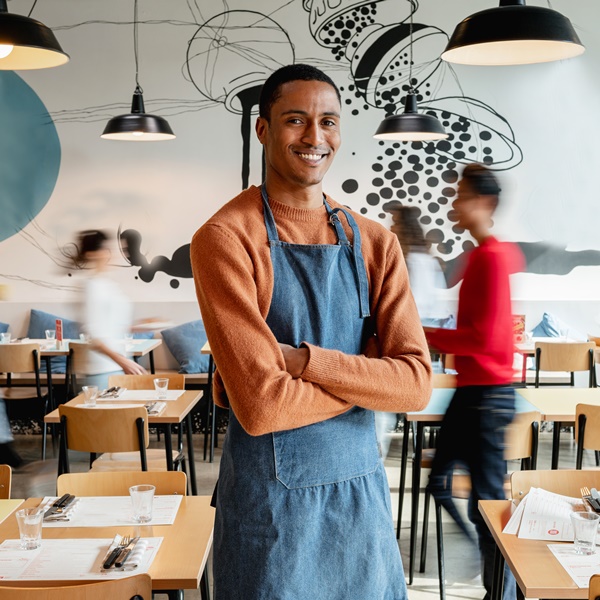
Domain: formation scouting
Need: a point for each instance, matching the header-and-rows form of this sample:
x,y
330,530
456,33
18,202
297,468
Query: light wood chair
x,y
594,589
521,441
118,483
567,356
587,431
120,434
146,382
443,380
138,587
567,482
5,481
22,359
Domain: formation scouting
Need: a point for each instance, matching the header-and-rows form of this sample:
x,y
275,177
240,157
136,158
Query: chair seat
x,y
20,393
130,461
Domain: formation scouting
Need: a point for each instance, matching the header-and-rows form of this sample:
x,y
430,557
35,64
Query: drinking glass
x,y
585,526
90,393
4,338
161,386
50,334
30,527
142,498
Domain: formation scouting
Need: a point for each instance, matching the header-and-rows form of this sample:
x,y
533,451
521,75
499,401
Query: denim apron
x,y
305,514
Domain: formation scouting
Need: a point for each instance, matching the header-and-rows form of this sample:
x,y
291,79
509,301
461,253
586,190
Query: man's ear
x,y
261,128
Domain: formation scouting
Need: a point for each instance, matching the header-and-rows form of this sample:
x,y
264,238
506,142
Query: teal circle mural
x,y
29,154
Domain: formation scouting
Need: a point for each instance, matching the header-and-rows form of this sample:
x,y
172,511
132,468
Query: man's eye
x,y
329,123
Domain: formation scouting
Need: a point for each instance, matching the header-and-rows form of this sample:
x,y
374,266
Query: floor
x,y
37,478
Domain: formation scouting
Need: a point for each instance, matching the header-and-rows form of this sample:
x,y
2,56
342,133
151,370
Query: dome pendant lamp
x,y
27,44
410,126
513,34
137,126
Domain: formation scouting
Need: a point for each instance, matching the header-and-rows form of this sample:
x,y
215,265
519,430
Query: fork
x,y
112,556
585,492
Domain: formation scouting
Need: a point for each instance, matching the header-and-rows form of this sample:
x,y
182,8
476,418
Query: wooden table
x,y
175,412
559,405
537,571
7,507
182,556
433,414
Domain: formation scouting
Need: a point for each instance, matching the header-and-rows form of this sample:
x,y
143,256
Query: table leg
x,y
51,407
204,587
414,513
191,460
151,359
403,465
168,446
555,444
524,370
209,405
498,580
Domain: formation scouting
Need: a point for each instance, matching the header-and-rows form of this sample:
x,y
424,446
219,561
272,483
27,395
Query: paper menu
x,y
542,515
59,330
580,567
85,558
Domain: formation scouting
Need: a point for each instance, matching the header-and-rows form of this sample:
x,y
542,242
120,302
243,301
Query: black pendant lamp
x,y
513,34
27,44
137,126
410,126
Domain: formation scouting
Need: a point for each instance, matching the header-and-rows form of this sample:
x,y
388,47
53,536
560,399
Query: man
x,y
472,432
312,326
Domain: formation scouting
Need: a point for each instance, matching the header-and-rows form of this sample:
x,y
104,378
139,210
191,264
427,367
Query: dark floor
x,y
37,478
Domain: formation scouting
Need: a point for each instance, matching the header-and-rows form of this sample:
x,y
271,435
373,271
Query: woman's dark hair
x,y
271,89
91,240
412,235
482,180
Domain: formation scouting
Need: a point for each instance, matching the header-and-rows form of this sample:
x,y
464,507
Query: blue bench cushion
x,y
3,327
185,342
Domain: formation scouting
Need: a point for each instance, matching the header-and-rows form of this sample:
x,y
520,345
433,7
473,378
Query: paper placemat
x,y
141,396
579,566
111,511
68,559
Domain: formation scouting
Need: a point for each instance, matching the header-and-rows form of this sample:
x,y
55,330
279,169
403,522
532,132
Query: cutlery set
x,y
121,552
58,509
592,497
112,392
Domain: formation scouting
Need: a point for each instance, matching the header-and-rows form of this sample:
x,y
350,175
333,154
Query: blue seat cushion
x,y
551,326
3,327
185,342
39,321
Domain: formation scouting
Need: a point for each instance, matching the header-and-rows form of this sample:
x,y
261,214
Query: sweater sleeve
x,y
264,397
394,373
475,336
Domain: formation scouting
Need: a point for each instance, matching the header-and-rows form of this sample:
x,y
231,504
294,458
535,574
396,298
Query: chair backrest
x,y
591,438
595,339
129,588
5,481
19,358
79,357
443,380
146,382
562,481
564,356
594,589
521,436
99,430
117,483
448,362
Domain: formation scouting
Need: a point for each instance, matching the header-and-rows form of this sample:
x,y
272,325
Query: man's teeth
x,y
310,156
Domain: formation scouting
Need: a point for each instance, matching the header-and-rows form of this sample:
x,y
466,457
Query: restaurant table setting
x,y
125,395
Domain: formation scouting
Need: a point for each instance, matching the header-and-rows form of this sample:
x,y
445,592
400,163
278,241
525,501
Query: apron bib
x,y
305,513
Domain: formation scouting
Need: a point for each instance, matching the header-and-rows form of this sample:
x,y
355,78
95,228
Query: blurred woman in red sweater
x,y
472,433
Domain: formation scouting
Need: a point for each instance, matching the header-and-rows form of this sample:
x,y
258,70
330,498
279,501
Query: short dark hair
x,y
482,180
271,89
412,235
91,240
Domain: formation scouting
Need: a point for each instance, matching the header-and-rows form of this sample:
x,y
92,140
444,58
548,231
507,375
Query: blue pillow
x,y
39,321
143,335
3,327
185,342
549,326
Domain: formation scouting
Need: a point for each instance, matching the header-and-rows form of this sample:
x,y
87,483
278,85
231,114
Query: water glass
x,y
50,334
142,498
90,393
30,527
161,385
4,338
585,527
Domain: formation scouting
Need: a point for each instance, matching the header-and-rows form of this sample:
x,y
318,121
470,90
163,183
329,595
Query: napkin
x,y
65,514
156,408
135,558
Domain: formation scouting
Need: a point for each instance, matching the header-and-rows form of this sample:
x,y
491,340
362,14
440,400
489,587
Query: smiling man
x,y
312,327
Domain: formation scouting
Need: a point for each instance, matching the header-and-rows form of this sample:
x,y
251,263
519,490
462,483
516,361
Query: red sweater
x,y
483,340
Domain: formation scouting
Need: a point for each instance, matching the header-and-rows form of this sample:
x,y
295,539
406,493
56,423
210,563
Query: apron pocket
x,y
329,452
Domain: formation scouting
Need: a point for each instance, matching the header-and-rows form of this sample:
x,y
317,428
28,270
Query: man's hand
x,y
130,367
295,359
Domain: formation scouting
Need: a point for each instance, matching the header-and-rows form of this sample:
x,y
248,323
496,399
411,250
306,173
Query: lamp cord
x,y
32,7
135,46
410,58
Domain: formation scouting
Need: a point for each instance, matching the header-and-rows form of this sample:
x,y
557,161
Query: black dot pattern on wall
x,y
174,283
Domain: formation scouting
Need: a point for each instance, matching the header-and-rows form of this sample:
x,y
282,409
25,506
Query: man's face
x,y
471,209
303,133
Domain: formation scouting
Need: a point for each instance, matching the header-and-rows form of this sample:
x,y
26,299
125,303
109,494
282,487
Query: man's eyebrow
x,y
303,112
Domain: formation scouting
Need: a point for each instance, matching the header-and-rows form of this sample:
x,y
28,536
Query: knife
x,y
59,505
110,559
107,392
126,552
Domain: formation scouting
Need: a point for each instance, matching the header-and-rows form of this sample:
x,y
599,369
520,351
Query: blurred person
x,y
105,312
312,327
8,455
472,432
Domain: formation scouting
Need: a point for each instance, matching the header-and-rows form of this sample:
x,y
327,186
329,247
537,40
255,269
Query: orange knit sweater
x,y
234,281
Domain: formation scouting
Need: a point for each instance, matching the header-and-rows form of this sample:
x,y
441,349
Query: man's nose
x,y
313,134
